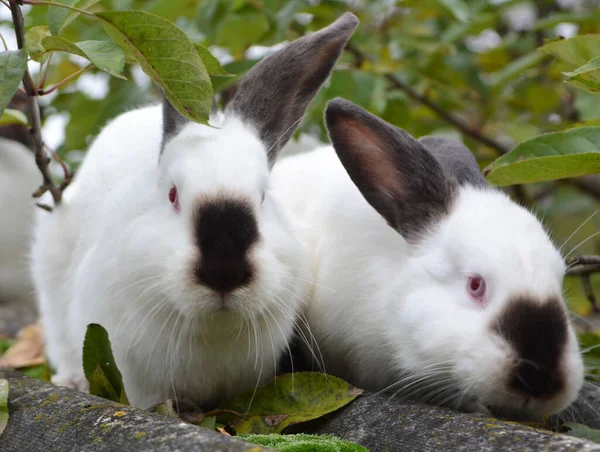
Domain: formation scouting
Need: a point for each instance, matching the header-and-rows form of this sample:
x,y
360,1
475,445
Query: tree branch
x,y
446,116
33,111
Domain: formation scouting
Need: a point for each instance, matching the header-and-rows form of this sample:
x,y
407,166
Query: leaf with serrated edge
x,y
550,156
105,55
286,400
167,56
3,404
99,365
12,67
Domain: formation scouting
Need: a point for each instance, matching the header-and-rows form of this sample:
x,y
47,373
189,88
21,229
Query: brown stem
x,y
66,80
33,110
446,116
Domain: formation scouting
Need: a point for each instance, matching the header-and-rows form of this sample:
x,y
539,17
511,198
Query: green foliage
x,y
557,155
303,443
12,68
12,116
3,404
99,366
586,76
582,431
286,400
104,55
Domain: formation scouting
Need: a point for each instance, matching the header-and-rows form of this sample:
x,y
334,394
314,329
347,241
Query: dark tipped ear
x,y
455,159
276,92
392,170
173,122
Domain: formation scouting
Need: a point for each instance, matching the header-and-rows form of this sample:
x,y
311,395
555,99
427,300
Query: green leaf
x,y
458,8
72,15
11,116
12,67
167,56
550,156
3,404
577,50
582,17
99,366
167,409
209,422
303,443
212,65
587,76
286,400
583,431
33,42
103,54
515,69
57,16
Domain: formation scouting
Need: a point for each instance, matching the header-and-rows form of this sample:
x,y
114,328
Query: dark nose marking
x,y
538,334
225,231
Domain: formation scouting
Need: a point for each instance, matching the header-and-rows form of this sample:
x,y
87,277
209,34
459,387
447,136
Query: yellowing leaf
x,y
286,400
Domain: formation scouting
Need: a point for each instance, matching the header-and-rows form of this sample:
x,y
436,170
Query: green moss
x,y
140,435
50,399
38,418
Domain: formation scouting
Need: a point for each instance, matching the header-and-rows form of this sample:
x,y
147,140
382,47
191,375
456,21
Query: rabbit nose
x,y
224,276
534,380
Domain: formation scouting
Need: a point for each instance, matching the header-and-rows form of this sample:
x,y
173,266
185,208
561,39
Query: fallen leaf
x,y
27,351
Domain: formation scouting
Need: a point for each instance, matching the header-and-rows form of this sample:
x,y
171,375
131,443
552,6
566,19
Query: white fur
x,y
384,311
116,253
19,178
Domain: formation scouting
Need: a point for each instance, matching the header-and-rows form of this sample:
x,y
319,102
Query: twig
x,y
66,80
33,111
582,265
589,293
5,4
446,116
42,82
3,41
58,5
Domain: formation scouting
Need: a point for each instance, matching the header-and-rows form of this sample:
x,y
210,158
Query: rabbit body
x,y
398,230
172,239
19,177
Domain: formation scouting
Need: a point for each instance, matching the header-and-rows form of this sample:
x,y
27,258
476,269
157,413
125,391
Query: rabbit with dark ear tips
x,y
429,283
171,237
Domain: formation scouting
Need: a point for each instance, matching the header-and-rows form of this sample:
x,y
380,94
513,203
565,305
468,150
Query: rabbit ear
x,y
456,160
275,93
393,171
173,121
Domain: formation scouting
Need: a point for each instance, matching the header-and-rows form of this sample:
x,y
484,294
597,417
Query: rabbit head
x,y
230,245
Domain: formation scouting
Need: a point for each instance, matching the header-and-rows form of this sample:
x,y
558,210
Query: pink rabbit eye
x,y
174,198
476,288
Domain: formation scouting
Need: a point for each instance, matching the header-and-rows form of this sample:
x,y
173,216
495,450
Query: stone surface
x,y
43,417
46,417
400,426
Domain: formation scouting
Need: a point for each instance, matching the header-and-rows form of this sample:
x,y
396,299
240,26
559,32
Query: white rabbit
x,y
182,251
19,178
428,281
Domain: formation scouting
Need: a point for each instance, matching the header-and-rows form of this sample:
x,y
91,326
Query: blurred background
x,y
467,69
